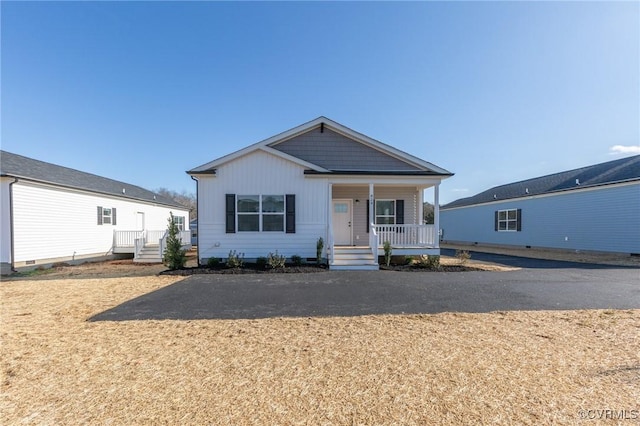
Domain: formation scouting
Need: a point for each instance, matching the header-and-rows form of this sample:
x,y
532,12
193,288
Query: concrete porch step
x,y
353,258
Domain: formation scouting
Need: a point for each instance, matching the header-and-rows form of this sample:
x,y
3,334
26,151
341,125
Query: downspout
x,y
197,210
13,269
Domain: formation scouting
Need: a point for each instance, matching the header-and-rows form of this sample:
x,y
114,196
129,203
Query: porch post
x,y
371,204
420,218
436,214
329,246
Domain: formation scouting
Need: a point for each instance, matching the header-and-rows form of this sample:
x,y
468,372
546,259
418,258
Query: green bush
x,y
174,256
319,247
235,260
276,261
428,262
213,262
296,260
261,262
387,252
463,256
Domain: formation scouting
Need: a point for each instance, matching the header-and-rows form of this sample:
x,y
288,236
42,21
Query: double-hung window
x,y
257,213
385,212
508,220
179,221
106,215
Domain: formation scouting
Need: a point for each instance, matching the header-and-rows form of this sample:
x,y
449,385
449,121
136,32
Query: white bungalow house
x,y
51,213
318,180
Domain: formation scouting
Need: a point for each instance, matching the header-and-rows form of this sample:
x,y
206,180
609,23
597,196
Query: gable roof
x,y
18,166
616,171
325,146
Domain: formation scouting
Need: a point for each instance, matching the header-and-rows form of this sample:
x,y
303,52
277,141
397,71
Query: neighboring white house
x,y
593,208
56,214
318,180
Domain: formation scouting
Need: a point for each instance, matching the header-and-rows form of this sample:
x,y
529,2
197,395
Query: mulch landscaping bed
x,y
249,268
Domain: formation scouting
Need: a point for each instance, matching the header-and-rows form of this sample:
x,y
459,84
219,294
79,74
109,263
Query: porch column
x,y
420,218
329,244
436,214
371,204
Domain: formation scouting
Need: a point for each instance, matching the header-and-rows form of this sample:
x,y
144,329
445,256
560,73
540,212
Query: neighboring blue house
x,y
594,208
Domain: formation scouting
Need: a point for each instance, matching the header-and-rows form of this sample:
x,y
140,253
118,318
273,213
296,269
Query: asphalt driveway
x,y
542,285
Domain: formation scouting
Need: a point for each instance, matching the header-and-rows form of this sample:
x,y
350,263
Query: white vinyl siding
x,y
260,173
73,232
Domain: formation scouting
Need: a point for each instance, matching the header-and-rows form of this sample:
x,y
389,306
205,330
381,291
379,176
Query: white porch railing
x,y
404,235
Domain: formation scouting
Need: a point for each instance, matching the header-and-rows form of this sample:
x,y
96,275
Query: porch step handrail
x,y
373,241
406,235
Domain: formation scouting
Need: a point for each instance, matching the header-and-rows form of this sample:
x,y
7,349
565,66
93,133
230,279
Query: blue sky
x,y
493,91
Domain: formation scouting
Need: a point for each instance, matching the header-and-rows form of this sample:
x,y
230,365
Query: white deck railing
x,y
405,235
126,238
150,237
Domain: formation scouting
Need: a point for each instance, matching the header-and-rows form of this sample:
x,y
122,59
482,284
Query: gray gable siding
x,y
336,152
18,166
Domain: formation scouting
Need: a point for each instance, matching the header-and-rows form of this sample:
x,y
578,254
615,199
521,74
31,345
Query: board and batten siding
x,y
56,223
260,173
603,219
361,193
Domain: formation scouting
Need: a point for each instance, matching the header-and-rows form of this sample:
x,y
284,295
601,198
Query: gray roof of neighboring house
x,y
617,171
21,167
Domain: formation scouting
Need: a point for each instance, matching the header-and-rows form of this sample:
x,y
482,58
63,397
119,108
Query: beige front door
x,y
341,218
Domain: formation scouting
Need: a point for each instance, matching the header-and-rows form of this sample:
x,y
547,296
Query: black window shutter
x,y
231,213
400,215
519,220
291,214
113,216
99,215
495,221
368,212
399,212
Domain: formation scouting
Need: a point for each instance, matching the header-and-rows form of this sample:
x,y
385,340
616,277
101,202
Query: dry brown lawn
x,y
503,367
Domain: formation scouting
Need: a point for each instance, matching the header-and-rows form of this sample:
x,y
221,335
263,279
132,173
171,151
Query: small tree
x,y
174,256
319,247
387,252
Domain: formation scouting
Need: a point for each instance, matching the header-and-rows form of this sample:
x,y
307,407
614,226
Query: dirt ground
x,y
560,367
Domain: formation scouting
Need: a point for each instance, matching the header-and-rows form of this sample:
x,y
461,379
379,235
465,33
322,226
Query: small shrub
x,y
387,252
428,262
463,256
296,260
235,260
408,260
261,262
174,256
213,262
276,261
319,247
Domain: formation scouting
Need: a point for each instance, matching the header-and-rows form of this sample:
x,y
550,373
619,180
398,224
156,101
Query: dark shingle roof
x,y
622,170
15,165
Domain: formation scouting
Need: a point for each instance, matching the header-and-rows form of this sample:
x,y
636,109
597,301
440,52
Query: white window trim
x,y
375,211
260,213
507,220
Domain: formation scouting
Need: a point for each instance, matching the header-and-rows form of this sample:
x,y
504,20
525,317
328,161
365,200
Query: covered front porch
x,y
364,215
